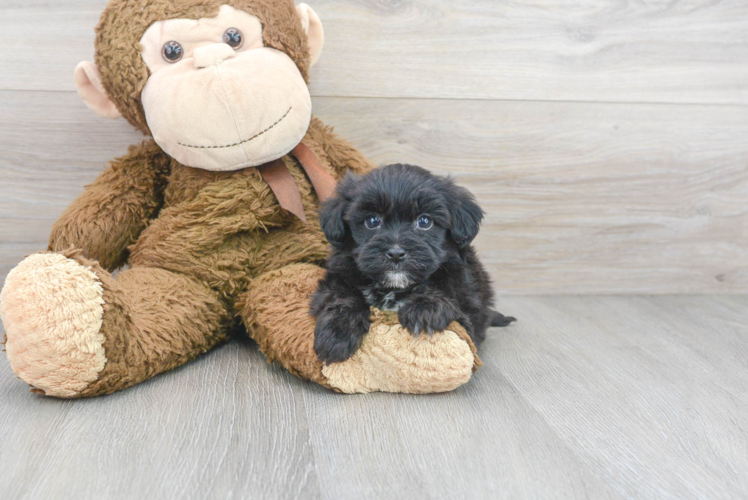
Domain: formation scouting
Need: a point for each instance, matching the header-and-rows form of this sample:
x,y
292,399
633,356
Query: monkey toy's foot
x,y
52,309
390,359
72,330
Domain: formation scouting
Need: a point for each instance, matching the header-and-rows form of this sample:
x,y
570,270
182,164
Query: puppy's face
x,y
400,223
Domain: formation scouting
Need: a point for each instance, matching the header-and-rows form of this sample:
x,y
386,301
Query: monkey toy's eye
x,y
172,51
424,222
373,222
233,37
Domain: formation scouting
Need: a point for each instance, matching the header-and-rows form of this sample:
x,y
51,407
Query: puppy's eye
x,y
172,51
373,222
424,222
233,37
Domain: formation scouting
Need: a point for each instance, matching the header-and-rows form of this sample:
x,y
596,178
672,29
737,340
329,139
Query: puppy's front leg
x,y
342,319
430,312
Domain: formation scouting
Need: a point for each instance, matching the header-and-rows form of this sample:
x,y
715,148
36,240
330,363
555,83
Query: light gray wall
x,y
607,140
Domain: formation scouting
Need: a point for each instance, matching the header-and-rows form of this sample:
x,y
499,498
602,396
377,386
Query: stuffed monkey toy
x,y
215,214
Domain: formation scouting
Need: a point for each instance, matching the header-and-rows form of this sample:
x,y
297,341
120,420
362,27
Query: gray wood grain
x,y
584,397
692,51
644,363
483,441
224,426
589,50
580,197
41,42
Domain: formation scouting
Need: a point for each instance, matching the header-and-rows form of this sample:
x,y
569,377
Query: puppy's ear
x,y
331,216
465,213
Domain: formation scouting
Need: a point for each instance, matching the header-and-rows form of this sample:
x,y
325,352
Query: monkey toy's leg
x,y
275,311
72,330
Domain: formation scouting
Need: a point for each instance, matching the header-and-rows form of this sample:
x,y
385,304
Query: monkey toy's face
x,y
216,97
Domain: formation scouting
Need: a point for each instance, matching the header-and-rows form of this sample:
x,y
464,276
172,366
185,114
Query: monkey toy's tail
x,y
499,319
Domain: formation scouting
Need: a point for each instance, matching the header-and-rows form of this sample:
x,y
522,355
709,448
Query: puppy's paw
x,y
423,314
338,334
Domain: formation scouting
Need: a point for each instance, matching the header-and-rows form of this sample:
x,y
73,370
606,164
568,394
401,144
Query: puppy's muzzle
x,y
396,254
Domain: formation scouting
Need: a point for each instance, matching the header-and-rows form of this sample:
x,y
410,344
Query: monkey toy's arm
x,y
115,208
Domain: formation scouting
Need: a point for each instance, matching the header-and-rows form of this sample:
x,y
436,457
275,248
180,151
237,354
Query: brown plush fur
x,y
194,239
127,195
207,250
281,324
154,320
213,234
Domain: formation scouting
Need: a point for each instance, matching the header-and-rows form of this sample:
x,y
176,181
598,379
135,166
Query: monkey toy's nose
x,y
212,54
396,254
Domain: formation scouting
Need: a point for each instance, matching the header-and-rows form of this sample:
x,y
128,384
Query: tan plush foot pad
x,y
390,359
51,307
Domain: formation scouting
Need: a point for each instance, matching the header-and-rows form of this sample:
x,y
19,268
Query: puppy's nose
x,y
396,254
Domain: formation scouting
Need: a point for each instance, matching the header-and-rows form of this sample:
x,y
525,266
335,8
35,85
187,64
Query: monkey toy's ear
x,y
332,214
90,88
313,28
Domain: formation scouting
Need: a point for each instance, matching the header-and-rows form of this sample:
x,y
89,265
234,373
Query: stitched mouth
x,y
245,140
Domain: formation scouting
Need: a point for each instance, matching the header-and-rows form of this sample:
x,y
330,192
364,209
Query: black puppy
x,y
401,241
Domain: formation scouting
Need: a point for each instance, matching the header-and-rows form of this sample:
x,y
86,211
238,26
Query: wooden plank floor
x,y
585,397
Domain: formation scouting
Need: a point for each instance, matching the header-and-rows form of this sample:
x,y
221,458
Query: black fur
x,y
440,279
